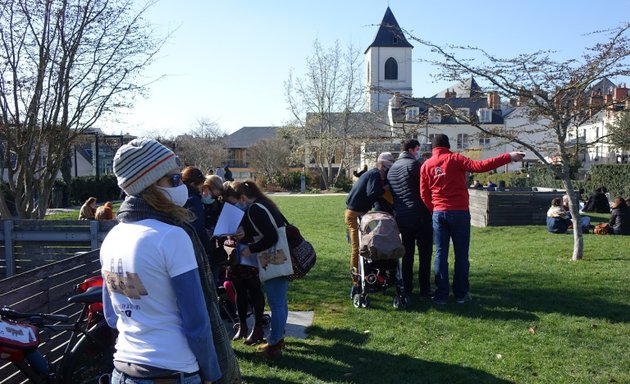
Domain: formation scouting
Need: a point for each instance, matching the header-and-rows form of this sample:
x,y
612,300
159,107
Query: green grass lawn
x,y
536,316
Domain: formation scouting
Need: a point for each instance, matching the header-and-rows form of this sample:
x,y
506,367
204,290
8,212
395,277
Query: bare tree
x,y
63,64
204,146
270,157
294,140
553,95
322,103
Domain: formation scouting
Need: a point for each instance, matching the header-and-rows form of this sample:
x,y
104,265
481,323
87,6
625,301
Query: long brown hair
x,y
192,176
249,189
158,201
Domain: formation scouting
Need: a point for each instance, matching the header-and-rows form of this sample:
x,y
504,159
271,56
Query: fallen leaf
x,y
499,356
531,330
366,331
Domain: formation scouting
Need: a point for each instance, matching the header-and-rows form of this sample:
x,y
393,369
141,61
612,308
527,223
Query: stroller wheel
x,y
400,302
236,327
366,301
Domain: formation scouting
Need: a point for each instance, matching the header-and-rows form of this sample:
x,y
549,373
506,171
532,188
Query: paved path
x,y
296,324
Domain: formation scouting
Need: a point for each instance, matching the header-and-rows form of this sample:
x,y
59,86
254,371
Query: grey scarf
x,y
136,209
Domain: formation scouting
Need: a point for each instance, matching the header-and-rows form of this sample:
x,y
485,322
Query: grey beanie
x,y
141,163
387,159
441,140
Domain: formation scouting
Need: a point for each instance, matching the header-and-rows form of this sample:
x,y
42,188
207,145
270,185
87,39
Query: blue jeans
x,y
120,378
453,225
276,290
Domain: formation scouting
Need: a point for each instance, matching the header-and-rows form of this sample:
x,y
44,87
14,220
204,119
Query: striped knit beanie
x,y
141,163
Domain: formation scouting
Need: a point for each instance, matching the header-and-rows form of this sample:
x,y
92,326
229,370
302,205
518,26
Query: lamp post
x,y
426,147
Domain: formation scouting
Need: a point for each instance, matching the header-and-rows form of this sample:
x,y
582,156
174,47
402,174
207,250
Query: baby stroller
x,y
227,297
380,247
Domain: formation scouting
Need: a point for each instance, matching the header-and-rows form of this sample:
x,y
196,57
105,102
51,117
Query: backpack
x,y
303,255
601,229
380,237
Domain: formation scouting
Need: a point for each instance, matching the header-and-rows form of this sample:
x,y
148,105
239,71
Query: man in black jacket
x,y
412,216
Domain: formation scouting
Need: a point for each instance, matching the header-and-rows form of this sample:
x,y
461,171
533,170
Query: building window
x,y
462,140
236,158
412,113
391,69
461,114
484,140
434,116
484,115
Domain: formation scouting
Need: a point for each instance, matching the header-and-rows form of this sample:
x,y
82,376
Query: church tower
x,y
388,62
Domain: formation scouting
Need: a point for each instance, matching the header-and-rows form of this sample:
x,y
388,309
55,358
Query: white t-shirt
x,y
138,260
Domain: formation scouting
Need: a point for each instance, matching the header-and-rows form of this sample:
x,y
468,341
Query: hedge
x,y
104,189
615,177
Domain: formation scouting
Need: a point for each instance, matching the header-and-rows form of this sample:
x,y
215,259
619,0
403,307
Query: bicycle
x,y
87,356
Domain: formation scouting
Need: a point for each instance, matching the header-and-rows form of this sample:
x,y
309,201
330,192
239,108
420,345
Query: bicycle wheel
x,y
90,358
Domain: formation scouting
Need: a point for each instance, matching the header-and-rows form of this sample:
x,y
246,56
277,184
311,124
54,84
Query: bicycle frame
x,y
90,336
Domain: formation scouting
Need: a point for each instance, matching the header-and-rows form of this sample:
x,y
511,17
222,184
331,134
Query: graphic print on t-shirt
x,y
127,284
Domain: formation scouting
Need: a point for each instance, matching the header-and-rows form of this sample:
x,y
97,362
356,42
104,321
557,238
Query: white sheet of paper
x,y
229,219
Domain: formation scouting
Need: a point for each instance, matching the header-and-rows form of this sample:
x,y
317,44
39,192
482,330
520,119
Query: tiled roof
x,y
468,94
423,104
389,34
468,88
248,136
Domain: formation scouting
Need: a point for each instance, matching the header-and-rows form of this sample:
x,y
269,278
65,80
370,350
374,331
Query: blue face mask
x,y
242,206
208,199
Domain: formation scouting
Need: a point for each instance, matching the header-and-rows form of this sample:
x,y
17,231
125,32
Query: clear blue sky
x,y
228,60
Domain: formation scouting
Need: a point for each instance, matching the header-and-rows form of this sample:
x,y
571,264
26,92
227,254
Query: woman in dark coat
x,y
619,218
194,179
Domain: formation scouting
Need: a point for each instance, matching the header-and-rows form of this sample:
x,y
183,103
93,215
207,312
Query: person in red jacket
x,y
444,191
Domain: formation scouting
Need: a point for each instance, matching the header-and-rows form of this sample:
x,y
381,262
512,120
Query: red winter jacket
x,y
443,185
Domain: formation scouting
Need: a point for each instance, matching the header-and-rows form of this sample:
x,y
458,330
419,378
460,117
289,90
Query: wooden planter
x,y
509,207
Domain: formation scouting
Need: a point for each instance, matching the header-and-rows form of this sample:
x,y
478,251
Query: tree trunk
x,y
574,209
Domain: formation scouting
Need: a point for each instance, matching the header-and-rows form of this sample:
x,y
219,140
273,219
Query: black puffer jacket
x,y
620,220
404,181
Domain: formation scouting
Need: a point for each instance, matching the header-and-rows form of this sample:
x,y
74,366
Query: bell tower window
x,y
391,69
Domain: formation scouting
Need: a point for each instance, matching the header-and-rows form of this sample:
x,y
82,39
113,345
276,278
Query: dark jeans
x,y
453,225
422,238
249,292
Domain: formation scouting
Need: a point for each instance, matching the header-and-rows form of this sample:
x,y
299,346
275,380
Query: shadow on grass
x,y
346,361
472,309
521,303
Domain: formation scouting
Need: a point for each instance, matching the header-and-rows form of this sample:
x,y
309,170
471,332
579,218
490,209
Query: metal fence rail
x,y
27,244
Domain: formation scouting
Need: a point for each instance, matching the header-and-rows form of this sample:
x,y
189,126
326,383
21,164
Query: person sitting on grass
x,y
104,213
88,209
557,218
585,221
619,218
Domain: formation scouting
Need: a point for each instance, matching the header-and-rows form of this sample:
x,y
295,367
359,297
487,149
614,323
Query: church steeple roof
x,y
389,34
